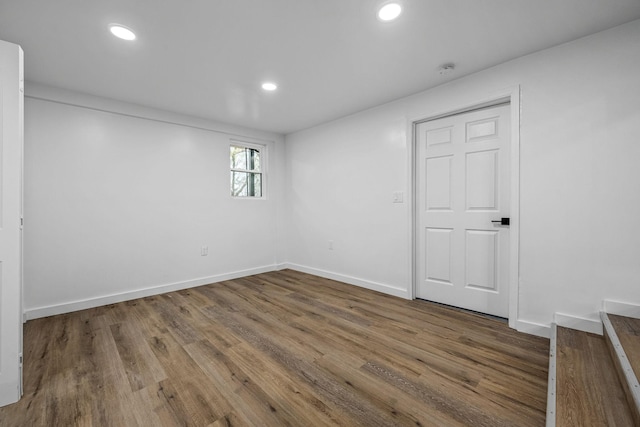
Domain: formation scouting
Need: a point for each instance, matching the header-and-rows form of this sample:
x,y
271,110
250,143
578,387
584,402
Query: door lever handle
x,y
502,221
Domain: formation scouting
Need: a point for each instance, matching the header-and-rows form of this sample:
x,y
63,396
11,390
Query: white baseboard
x,y
363,283
68,307
532,328
281,266
621,308
578,323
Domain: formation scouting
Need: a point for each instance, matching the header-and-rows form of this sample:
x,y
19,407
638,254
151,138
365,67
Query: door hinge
x,y
21,222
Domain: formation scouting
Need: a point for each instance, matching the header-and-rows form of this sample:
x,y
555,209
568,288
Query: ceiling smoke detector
x,y
446,69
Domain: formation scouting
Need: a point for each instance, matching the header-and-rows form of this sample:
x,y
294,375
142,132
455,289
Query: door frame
x,y
11,292
510,95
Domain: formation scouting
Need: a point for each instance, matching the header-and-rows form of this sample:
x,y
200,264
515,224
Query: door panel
x,y
438,254
481,180
11,108
482,259
462,185
438,183
438,136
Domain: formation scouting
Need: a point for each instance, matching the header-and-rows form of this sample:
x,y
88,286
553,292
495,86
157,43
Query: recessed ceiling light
x,y
122,32
389,12
269,86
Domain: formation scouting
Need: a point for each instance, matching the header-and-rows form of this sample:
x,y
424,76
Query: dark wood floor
x,y
281,348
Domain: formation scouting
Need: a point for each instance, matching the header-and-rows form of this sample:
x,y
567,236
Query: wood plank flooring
x,y
628,331
588,390
277,349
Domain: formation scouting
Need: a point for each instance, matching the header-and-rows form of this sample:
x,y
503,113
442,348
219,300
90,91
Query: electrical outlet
x,y
398,197
204,251
330,245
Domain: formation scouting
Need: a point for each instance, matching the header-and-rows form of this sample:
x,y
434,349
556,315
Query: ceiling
x,y
330,58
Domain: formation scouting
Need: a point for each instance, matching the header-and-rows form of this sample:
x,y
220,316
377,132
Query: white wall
x,y
119,200
579,180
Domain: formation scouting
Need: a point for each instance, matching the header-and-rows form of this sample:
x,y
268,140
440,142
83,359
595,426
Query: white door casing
x,y
11,149
462,185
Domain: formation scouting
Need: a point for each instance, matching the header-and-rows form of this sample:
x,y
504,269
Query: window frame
x,y
262,149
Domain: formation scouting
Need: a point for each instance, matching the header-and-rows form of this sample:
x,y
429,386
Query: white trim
x,y
512,96
532,328
52,310
631,380
363,283
551,383
578,323
514,227
281,266
621,308
411,203
11,203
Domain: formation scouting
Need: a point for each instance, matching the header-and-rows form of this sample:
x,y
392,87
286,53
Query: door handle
x,y
502,221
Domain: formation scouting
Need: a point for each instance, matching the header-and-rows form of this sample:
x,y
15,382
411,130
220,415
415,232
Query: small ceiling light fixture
x,y
389,12
268,86
122,32
446,69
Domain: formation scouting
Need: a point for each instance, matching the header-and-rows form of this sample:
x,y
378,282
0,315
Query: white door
x,y
11,102
463,185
